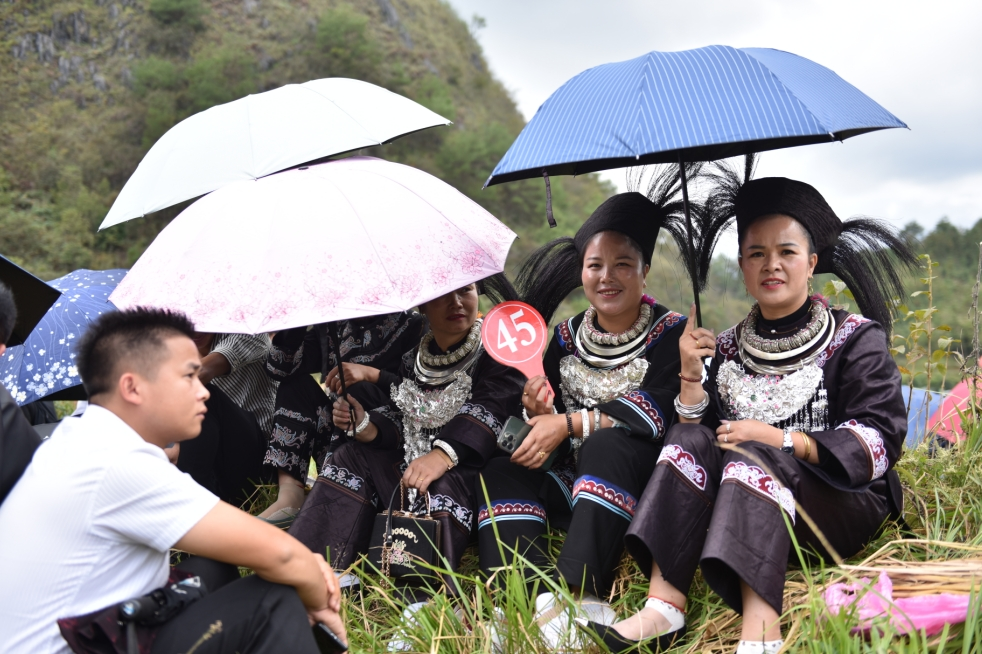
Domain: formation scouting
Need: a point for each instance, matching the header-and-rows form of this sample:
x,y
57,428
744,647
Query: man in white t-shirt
x,y
91,522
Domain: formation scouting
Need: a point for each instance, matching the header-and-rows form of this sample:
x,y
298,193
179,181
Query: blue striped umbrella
x,y
696,105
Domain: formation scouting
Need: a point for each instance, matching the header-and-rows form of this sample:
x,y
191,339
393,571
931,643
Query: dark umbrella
x,y
44,366
696,105
32,296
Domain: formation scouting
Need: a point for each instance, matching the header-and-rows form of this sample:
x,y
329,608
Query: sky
x,y
921,60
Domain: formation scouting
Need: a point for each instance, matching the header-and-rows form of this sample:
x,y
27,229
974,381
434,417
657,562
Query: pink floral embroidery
x,y
565,335
848,326
873,443
726,343
756,479
511,509
606,494
684,463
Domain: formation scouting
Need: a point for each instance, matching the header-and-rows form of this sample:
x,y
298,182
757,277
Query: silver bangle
x,y
525,414
448,450
363,425
596,419
585,422
693,411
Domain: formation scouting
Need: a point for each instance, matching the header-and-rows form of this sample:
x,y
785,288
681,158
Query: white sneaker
x,y
400,641
556,621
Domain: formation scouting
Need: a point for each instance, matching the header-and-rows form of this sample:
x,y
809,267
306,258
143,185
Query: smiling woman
x,y
616,369
804,414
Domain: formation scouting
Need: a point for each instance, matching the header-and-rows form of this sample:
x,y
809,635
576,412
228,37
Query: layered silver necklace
x,y
792,392
609,365
426,411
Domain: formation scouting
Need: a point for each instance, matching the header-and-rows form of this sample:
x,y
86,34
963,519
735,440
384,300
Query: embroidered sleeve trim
x,y
342,477
606,494
760,482
684,463
876,452
482,414
647,409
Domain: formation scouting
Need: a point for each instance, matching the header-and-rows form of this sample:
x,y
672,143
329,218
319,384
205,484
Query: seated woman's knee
x,y
691,437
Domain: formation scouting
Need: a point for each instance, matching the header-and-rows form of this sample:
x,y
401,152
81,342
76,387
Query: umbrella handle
x,y
344,390
549,216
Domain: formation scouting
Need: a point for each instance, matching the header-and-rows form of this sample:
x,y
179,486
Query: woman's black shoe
x,y
617,643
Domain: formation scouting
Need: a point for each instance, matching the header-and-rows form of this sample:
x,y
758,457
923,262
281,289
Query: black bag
x,y
401,541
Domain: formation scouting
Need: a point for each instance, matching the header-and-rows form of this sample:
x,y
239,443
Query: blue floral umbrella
x,y
44,366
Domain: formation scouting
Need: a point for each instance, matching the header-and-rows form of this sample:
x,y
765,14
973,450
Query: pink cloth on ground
x,y
929,613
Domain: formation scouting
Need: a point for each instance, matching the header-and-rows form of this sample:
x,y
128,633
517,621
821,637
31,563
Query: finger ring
x,y
728,428
525,394
726,438
542,454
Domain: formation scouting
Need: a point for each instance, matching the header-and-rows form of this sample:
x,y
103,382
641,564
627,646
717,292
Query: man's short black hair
x,y
8,313
135,337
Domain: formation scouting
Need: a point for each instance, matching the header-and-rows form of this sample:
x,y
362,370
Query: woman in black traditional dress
x,y
434,427
615,369
302,423
802,414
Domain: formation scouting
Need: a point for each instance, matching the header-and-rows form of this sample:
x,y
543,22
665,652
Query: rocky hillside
x,y
89,85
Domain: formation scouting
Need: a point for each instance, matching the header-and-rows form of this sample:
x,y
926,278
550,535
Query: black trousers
x,y
302,427
726,510
244,616
227,457
594,501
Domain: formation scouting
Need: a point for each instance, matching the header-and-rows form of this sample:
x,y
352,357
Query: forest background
x,y
89,85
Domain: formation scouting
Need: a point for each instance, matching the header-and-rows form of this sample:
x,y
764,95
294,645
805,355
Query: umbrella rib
x,y
252,143
355,120
458,228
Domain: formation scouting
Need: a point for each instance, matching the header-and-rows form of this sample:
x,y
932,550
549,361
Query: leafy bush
x,y
153,74
184,13
225,76
344,47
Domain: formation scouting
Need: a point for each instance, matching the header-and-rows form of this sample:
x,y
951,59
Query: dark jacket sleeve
x,y
496,394
554,354
650,411
18,440
870,420
294,351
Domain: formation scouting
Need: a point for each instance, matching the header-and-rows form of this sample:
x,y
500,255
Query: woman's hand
x,y
426,469
536,398
731,433
353,373
696,344
548,432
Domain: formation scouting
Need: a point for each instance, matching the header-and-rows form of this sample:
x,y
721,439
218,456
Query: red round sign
x,y
516,335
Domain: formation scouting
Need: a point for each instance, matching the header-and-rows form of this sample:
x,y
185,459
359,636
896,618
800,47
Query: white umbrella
x,y
262,134
338,240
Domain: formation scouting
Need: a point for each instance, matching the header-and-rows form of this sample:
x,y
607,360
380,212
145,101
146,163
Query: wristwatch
x,y
788,445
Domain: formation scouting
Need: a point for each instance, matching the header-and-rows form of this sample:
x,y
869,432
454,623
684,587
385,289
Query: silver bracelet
x,y
596,419
585,422
525,414
694,411
448,450
363,425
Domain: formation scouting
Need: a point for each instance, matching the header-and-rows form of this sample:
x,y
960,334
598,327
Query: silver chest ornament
x,y
424,413
586,387
770,398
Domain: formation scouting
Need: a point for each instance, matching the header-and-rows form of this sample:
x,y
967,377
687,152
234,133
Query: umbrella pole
x,y
692,245
337,357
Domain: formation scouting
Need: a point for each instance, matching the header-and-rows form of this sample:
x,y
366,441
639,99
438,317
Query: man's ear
x,y
130,388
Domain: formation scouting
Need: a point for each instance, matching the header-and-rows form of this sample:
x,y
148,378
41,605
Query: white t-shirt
x,y
88,525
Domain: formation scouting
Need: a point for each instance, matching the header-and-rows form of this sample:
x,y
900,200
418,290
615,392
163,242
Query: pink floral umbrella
x,y
947,420
333,241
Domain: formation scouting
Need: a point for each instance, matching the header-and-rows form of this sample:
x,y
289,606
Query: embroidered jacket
x,y
867,419
649,410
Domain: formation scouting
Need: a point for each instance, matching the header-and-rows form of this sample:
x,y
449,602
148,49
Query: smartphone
x,y
327,640
514,432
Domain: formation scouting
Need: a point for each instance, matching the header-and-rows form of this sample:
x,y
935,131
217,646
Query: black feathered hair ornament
x,y
867,254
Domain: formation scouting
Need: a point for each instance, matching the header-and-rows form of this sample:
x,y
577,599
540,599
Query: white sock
x,y
759,646
674,615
